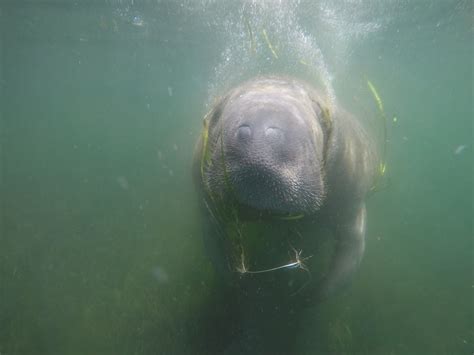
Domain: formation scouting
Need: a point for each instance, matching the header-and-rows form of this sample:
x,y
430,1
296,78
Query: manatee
x,y
275,163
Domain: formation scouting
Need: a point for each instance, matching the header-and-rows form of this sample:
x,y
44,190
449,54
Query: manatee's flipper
x,y
350,245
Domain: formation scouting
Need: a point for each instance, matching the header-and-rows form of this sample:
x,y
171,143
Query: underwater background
x,y
101,103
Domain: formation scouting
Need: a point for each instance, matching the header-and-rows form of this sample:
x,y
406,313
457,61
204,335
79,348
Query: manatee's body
x,y
274,162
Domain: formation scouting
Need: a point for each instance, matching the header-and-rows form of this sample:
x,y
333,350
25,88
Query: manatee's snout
x,y
268,133
267,150
265,130
267,140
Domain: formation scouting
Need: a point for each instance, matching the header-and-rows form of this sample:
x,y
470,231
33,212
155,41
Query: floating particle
x,y
459,149
123,182
160,274
137,20
170,91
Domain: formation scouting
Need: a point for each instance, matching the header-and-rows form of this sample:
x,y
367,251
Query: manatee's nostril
x,y
274,133
244,132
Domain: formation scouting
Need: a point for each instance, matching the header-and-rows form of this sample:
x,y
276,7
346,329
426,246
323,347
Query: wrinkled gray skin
x,y
275,147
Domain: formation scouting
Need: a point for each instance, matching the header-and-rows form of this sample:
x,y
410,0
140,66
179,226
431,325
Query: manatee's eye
x,y
244,132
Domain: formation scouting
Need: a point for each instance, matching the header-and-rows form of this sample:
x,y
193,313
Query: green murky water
x,y
101,103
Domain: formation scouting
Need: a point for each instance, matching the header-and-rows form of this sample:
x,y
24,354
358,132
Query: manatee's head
x,y
265,148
